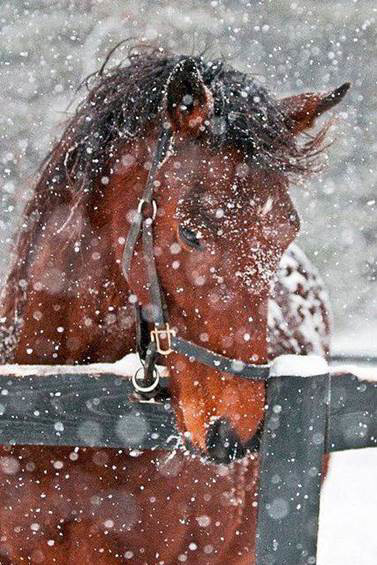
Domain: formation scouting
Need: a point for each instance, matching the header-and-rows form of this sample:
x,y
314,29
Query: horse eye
x,y
190,238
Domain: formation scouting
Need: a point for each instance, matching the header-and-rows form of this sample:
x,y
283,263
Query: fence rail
x,y
62,408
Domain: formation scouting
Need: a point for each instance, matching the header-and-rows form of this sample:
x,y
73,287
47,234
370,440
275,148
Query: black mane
x,y
125,101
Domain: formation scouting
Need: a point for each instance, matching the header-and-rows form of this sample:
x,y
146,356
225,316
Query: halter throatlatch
x,y
162,338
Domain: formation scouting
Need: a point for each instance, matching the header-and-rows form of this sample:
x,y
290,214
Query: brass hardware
x,y
161,334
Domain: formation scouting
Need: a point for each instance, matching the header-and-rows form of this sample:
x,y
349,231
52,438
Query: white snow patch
x,y
299,366
348,510
124,368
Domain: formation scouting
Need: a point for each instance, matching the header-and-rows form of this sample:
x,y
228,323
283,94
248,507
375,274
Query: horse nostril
x,y
223,443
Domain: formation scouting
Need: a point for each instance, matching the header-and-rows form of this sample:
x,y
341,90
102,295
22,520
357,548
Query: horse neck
x,y
65,300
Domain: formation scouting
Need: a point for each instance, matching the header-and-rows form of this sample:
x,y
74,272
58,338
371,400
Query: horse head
x,y
224,218
207,153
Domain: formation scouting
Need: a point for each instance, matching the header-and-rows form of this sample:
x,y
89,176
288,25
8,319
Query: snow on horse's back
x,y
299,315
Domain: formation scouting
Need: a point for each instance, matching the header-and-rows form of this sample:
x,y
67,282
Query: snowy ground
x,y
349,497
347,532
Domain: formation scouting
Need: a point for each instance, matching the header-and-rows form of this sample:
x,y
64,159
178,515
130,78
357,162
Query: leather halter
x,y
163,339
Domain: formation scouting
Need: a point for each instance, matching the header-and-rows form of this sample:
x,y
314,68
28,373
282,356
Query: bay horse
x,y
215,152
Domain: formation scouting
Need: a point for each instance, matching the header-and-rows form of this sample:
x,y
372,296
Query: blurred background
x,y
47,48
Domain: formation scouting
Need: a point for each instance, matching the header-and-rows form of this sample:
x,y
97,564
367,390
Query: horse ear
x,y
302,110
189,103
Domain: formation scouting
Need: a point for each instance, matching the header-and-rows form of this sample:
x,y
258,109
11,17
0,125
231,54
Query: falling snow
x,y
48,48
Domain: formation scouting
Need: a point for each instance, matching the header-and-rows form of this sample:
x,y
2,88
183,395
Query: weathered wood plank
x,y
99,408
82,410
291,455
352,420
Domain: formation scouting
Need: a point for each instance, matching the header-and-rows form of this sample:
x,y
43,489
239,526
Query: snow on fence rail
x,y
307,416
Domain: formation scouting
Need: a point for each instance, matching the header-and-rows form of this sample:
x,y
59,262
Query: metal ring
x,y
149,388
142,201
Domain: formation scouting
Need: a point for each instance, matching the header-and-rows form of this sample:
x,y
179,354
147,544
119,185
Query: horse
x,y
163,211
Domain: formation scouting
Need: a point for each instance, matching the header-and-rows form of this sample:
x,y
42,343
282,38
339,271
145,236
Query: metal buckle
x,y
142,203
163,333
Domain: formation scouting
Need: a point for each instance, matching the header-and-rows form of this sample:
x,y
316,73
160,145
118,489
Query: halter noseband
x,y
162,334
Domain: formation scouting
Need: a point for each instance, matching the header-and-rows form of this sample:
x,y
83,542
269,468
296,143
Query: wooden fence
x,y
306,417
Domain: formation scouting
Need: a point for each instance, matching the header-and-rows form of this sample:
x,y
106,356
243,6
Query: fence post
x,y
291,457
